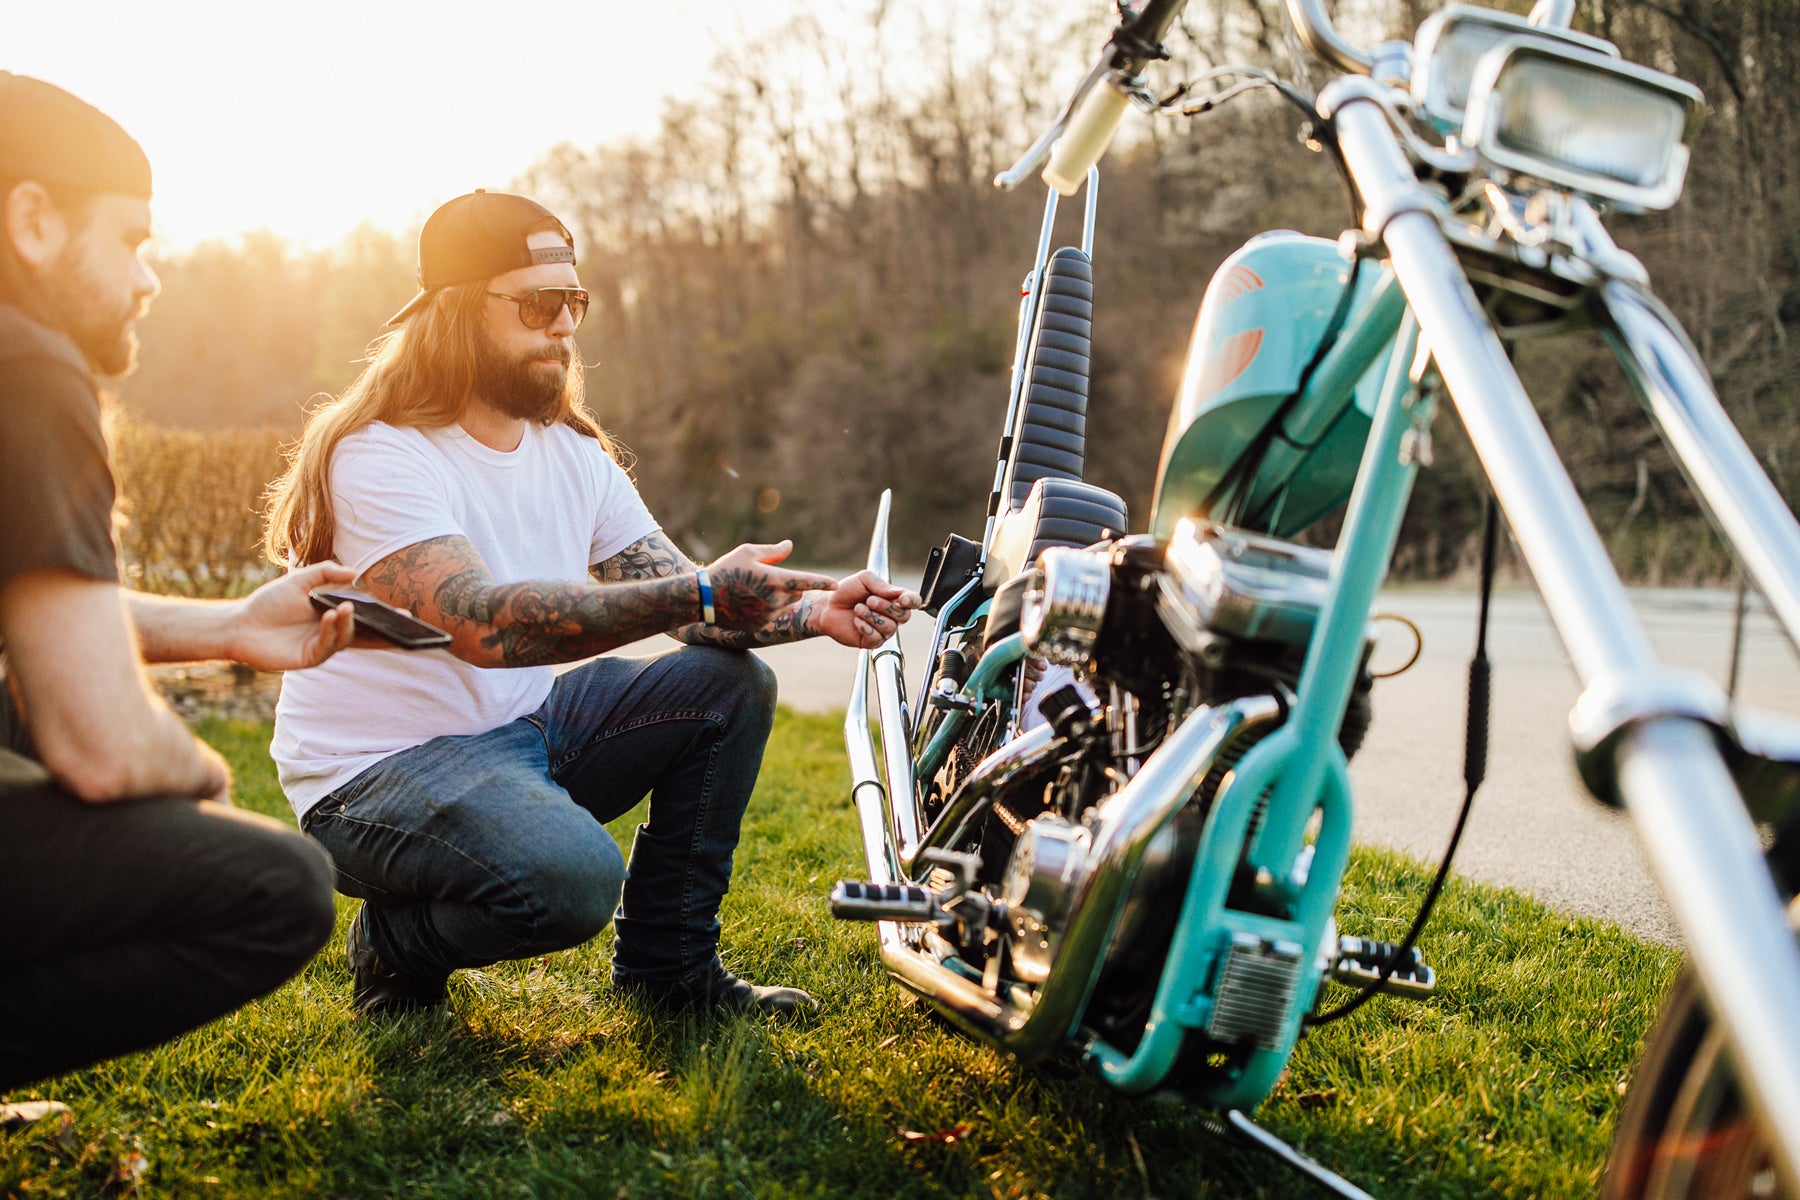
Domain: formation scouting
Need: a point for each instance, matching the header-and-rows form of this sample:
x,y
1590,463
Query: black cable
x,y
1322,130
1325,134
1737,635
1474,770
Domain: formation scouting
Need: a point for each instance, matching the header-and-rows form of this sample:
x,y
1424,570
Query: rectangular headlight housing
x,y
1583,121
1452,40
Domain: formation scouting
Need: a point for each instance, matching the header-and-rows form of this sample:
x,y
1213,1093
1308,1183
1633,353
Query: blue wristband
x,y
706,597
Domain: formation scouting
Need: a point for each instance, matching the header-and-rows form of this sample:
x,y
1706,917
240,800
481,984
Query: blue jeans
x,y
473,849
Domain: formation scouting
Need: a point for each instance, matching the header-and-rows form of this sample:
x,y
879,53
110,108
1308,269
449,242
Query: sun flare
x,y
309,122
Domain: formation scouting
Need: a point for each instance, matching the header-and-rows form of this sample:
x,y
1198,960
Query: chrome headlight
x,y
1583,121
1061,620
1452,40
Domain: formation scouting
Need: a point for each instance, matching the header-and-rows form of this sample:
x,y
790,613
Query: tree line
x,y
805,288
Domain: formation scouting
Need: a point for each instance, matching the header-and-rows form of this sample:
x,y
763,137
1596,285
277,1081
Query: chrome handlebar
x,y
1084,129
1081,133
1319,36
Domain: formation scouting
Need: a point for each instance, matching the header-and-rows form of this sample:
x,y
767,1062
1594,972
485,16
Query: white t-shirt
x,y
544,511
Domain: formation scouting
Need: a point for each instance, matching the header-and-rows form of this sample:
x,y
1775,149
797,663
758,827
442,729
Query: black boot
x,y
718,991
376,989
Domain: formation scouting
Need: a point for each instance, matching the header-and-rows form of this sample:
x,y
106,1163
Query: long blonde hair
x,y
420,374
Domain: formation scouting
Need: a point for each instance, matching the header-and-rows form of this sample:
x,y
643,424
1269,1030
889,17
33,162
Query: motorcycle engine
x,y
1155,630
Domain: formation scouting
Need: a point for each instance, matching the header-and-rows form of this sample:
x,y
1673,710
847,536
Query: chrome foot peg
x,y
1360,960
853,900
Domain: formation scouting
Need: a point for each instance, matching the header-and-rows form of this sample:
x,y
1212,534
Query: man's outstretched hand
x,y
863,611
276,628
753,595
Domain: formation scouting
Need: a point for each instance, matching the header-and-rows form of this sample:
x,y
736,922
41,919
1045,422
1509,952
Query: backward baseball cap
x,y
479,236
56,138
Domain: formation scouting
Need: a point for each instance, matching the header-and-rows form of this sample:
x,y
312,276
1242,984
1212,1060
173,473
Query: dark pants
x,y
473,849
122,925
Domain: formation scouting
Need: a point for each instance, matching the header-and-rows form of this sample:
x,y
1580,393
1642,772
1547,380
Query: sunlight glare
x,y
309,120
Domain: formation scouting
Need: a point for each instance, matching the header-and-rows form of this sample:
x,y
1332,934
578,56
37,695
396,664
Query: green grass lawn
x,y
539,1083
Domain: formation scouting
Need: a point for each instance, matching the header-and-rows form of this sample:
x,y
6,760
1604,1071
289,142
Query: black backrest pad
x,y
1052,433
1056,512
1073,513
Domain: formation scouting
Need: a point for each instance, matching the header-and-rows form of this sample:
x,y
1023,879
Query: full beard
x,y
524,388
106,334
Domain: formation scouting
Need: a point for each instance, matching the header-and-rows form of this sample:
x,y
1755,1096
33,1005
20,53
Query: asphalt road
x,y
1533,827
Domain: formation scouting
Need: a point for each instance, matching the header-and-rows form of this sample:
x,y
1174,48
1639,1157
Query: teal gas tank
x,y
1241,447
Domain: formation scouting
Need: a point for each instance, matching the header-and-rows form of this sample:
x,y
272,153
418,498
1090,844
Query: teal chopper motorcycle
x,y
1116,815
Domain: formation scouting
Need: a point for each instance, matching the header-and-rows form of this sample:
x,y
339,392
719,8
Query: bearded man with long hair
x,y
462,791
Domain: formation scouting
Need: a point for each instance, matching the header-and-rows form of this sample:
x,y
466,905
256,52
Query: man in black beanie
x,y
137,903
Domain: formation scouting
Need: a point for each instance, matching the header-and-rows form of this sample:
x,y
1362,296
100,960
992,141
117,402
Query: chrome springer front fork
x,y
1647,734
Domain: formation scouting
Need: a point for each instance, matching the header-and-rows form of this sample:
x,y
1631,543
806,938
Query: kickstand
x,y
1237,1127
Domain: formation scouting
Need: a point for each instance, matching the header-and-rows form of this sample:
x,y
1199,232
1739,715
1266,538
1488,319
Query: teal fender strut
x,y
983,685
1298,770
1182,1003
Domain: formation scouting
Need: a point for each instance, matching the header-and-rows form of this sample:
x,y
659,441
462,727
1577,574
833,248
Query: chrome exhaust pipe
x,y
878,808
866,791
874,805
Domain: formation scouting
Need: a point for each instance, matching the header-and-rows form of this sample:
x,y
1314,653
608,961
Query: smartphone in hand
x,y
383,620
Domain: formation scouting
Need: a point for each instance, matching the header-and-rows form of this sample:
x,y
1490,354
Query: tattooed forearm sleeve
x,y
653,557
446,582
656,557
790,625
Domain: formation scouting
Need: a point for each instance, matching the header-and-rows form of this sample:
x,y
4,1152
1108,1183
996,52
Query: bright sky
x,y
309,118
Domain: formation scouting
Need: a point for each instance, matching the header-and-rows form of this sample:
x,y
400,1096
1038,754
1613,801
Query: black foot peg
x,y
1360,961
852,900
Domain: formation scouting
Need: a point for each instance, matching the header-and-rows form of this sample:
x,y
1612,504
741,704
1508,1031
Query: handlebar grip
x,y
1090,131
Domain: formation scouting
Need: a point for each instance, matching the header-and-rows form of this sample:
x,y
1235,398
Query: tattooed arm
x,y
445,581
861,610
653,557
798,622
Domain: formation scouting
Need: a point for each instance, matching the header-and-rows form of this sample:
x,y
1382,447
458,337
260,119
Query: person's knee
x,y
759,683
744,682
296,885
755,711
576,895
278,910
313,889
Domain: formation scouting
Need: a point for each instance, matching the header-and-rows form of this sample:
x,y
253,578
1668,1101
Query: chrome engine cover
x,y
1225,581
1048,864
1060,621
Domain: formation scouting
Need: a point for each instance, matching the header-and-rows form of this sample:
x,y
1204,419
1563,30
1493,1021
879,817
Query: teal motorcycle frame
x,y
1315,371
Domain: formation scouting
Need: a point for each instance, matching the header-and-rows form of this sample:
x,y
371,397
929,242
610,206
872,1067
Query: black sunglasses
x,y
539,306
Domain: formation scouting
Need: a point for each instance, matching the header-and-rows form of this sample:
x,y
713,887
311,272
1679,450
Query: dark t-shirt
x,y
56,488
